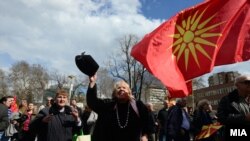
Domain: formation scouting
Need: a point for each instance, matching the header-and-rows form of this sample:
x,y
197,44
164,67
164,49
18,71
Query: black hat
x,y
86,64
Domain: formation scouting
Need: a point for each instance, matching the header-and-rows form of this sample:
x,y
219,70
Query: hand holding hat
x,y
86,64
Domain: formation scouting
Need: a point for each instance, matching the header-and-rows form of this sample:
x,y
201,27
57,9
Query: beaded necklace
x,y
118,119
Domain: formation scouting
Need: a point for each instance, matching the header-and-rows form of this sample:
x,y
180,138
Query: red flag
x,y
236,46
186,46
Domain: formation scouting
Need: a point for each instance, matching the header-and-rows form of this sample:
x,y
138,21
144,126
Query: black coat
x,y
4,120
86,128
162,118
232,110
231,113
201,118
60,128
107,129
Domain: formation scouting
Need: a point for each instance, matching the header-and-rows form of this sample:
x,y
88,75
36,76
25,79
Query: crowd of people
x,y
55,121
122,117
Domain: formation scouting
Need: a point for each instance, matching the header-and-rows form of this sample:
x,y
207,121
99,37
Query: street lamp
x,y
71,77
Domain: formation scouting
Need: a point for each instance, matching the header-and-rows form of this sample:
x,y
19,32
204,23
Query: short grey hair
x,y
202,102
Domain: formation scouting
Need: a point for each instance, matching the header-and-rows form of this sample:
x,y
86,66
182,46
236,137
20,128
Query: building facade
x,y
220,84
156,96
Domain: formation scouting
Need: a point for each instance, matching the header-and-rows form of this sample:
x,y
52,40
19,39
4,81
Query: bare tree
x,y
82,80
3,84
38,80
125,67
28,81
105,83
59,79
19,76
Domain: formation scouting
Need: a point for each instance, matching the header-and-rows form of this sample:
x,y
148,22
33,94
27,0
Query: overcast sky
x,y
52,32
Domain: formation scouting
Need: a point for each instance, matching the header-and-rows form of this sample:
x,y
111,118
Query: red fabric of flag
x,y
236,46
186,46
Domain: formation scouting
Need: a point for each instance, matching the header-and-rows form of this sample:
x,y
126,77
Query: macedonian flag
x,y
208,130
191,43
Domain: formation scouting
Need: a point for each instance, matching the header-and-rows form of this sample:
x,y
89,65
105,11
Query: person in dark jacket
x,y
152,123
57,122
162,121
84,118
120,118
234,109
10,131
24,133
88,118
178,122
202,117
4,118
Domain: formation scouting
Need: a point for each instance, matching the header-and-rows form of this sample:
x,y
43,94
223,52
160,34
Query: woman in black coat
x,y
120,118
202,117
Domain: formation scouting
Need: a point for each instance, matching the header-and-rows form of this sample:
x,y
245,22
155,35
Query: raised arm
x,y
96,104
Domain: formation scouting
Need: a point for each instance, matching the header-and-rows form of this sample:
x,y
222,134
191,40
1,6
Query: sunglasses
x,y
246,82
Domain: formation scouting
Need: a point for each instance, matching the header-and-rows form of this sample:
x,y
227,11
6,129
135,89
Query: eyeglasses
x,y
246,82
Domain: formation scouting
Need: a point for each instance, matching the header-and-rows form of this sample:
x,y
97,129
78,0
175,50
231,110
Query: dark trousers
x,y
26,136
183,135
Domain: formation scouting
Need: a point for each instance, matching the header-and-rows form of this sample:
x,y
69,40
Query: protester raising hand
x,y
120,118
92,80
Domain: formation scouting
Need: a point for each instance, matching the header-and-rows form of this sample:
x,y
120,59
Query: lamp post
x,y
71,77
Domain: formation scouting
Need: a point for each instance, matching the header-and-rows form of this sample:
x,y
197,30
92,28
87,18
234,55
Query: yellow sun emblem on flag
x,y
192,36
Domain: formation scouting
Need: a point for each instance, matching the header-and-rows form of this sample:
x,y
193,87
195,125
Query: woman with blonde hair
x,y
120,118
